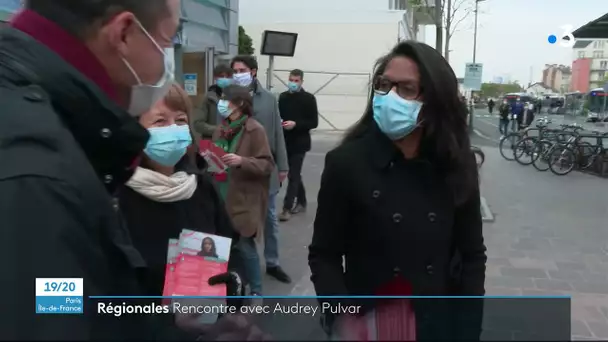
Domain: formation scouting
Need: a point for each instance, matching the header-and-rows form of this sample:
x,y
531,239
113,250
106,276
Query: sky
x,y
512,34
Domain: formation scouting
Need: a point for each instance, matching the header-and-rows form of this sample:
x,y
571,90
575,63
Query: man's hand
x,y
289,125
232,159
283,176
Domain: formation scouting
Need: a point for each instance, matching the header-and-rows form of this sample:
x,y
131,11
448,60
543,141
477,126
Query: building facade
x,y
557,77
590,64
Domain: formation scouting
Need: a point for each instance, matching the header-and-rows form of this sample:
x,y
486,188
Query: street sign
x,y
472,76
190,84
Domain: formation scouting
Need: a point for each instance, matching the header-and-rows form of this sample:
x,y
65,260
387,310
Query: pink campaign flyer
x,y
200,256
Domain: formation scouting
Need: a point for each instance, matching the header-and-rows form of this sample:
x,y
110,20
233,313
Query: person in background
x,y
530,114
245,185
266,112
491,106
404,178
74,74
539,105
300,114
170,190
206,118
517,112
504,111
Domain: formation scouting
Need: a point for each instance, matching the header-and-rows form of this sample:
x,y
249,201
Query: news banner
x,y
288,318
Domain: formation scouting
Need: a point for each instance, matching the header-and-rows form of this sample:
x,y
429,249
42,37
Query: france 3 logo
x,y
566,38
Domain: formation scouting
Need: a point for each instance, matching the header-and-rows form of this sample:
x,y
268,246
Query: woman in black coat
x,y
170,191
404,180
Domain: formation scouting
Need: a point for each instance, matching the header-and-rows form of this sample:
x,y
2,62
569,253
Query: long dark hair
x,y
445,139
239,96
212,253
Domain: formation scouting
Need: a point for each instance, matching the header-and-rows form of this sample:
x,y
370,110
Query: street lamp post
x,y
471,108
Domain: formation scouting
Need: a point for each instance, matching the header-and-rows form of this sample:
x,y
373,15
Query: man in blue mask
x,y
300,114
205,118
74,75
266,112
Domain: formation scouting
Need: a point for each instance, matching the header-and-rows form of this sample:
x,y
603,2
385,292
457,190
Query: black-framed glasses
x,y
409,90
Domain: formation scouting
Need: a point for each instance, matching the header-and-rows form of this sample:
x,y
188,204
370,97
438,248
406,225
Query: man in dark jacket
x,y
504,112
299,111
68,71
205,118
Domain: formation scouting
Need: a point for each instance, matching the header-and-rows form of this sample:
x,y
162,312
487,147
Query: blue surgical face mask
x,y
223,108
293,86
396,116
243,79
224,82
167,145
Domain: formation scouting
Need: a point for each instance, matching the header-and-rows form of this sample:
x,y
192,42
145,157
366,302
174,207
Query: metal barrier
x,y
341,96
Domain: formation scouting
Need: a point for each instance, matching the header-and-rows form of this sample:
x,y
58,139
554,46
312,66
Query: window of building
x,y
581,54
601,75
598,54
603,64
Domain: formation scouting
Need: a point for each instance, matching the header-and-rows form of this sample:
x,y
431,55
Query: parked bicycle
x,y
507,143
532,148
579,154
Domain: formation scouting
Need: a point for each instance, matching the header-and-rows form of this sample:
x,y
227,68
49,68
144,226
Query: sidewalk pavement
x,y
549,236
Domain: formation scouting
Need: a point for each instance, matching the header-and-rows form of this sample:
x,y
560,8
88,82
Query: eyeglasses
x,y
406,89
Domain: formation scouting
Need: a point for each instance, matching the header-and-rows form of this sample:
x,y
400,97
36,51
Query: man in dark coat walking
x,y
69,70
300,114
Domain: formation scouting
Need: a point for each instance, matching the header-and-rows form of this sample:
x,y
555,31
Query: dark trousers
x,y
295,187
503,126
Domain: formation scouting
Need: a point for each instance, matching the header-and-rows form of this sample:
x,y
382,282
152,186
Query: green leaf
x,y
245,43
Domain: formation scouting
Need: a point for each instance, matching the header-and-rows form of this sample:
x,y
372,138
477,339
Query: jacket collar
x,y
111,139
66,46
384,153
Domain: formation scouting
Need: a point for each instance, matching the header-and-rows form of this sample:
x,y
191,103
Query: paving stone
x,y
524,272
568,275
528,243
513,282
580,328
599,330
532,263
502,291
542,293
499,261
552,284
572,266
589,287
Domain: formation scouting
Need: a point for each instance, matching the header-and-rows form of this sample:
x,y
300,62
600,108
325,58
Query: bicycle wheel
x,y
523,151
562,160
506,145
542,151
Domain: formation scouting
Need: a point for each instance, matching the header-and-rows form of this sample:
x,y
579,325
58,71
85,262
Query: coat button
x,y
429,269
376,194
397,217
106,133
432,217
108,179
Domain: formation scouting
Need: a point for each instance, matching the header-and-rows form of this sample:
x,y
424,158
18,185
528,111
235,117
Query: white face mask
x,y
144,96
243,79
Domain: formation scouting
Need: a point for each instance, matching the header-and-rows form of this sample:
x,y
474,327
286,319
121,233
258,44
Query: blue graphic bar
x,y
59,305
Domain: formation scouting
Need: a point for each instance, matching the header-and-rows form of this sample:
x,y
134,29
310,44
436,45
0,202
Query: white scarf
x,y
160,188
